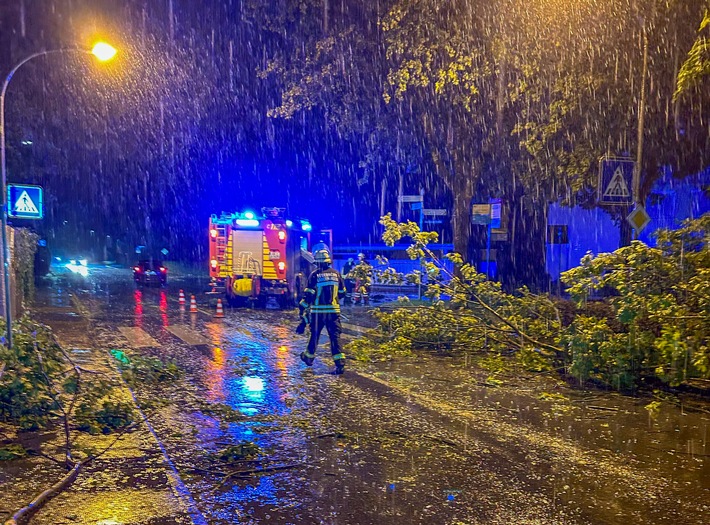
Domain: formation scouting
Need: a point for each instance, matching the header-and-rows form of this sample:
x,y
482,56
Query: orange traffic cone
x,y
220,311
182,298
193,305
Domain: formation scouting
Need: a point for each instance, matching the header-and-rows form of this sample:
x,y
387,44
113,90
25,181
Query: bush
x,y
13,451
103,416
25,395
37,380
661,300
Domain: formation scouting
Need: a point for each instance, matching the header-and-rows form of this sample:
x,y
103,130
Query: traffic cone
x,y
182,299
220,311
193,305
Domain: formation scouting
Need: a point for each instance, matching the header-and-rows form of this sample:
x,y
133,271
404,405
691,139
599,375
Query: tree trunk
x,y
522,259
461,223
460,176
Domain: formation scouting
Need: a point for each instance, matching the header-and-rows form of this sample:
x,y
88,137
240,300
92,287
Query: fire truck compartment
x,y
248,252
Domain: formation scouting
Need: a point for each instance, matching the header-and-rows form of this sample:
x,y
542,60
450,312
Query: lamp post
x,y
101,51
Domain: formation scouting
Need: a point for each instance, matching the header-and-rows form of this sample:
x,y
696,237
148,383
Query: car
x,y
150,271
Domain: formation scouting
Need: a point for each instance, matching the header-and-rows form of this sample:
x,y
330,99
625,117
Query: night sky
x,y
145,148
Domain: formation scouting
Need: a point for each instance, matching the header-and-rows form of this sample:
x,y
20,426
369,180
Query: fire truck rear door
x,y
248,252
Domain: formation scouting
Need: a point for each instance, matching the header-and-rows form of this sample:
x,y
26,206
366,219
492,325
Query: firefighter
x,y
349,282
363,280
320,306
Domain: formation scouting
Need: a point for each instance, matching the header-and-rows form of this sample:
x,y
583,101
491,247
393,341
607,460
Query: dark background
x,y
144,148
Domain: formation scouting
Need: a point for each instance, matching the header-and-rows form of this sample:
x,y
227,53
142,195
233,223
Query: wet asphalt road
x,y
373,446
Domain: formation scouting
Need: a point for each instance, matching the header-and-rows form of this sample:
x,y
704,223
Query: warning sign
x,y
25,205
615,176
24,202
617,186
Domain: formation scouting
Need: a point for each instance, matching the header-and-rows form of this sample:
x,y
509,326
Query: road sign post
x,y
557,234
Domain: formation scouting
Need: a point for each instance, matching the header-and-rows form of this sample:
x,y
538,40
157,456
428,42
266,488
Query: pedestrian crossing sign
x,y
24,201
615,180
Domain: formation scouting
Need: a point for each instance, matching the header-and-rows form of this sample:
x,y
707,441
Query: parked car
x,y
150,271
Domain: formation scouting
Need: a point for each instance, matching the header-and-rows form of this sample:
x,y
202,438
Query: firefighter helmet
x,y
322,257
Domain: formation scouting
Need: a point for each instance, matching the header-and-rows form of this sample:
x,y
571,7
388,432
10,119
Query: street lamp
x,y
103,52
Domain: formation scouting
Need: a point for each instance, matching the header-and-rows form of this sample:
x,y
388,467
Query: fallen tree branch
x,y
203,470
261,470
25,513
553,350
251,472
607,409
56,395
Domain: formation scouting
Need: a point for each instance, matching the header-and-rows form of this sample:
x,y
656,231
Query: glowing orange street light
x,y
103,51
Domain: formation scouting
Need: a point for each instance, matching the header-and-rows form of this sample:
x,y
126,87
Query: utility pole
x,y
636,182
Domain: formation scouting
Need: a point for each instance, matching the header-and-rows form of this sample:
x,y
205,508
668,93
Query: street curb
x,y
179,488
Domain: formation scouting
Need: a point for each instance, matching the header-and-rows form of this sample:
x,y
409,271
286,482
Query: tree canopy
x,y
512,99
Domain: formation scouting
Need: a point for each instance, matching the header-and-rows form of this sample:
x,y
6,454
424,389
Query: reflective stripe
x,y
325,308
309,356
309,290
337,357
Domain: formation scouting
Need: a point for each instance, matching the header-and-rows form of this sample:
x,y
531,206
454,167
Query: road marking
x,y
137,337
188,335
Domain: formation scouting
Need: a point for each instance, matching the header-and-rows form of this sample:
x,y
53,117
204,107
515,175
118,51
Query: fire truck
x,y
261,257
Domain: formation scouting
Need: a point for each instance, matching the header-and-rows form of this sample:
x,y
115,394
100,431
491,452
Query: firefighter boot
x,y
339,367
307,358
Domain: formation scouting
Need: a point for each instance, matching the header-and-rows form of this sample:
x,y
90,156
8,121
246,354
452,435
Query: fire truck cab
x,y
256,257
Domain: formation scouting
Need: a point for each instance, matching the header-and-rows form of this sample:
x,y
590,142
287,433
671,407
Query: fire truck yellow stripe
x,y
269,268
225,269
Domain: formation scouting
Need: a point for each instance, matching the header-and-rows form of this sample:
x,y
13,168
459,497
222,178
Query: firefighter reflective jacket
x,y
325,287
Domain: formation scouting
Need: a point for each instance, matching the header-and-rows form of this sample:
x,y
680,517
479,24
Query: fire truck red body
x,y
257,257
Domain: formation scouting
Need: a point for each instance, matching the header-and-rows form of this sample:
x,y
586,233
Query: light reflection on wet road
x,y
373,454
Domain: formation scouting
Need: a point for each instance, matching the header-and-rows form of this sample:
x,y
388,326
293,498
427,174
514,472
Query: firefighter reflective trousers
x,y
331,322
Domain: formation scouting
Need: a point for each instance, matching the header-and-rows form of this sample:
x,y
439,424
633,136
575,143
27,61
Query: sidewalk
x,y
131,484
